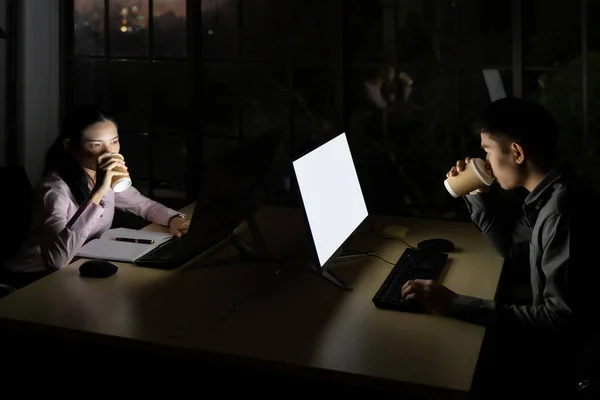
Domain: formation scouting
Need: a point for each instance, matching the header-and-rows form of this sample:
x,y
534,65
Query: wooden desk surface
x,y
281,312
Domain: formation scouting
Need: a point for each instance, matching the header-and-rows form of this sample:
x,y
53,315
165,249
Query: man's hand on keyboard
x,y
435,297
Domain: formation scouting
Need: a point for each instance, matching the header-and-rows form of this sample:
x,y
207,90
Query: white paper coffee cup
x,y
120,183
474,176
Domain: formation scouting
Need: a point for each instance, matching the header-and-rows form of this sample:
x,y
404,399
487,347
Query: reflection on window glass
x,y
169,28
220,99
128,28
314,102
265,100
88,28
88,83
220,29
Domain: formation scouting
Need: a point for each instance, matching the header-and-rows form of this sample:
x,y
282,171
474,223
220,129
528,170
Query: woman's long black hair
x,y
58,158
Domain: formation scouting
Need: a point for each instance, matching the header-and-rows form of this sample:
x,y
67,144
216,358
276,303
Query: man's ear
x,y
65,143
517,151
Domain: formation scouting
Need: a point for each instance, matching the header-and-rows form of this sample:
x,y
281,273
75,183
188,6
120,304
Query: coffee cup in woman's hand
x,y
120,183
112,173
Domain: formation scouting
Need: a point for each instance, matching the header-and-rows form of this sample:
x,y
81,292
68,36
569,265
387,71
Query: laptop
x,y
232,191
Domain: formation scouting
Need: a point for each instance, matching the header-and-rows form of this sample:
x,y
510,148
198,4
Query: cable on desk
x,y
370,254
381,258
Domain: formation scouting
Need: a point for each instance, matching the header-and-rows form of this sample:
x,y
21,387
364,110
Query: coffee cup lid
x,y
479,168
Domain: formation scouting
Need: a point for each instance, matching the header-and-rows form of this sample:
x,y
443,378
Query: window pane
x,y
487,29
314,109
266,105
266,28
314,30
220,29
172,88
560,91
135,147
128,27
88,29
363,33
593,85
551,34
474,101
169,158
220,101
129,94
169,28
88,82
212,148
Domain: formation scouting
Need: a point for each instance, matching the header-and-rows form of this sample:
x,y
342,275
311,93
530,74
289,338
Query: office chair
x,y
588,389
18,206
588,385
5,290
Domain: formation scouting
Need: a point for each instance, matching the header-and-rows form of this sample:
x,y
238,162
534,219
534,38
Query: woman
x,y
75,202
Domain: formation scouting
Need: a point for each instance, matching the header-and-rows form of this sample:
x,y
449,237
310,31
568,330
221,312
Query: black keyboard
x,y
413,264
165,252
168,255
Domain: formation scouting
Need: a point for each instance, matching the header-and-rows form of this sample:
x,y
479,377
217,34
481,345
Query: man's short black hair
x,y
523,122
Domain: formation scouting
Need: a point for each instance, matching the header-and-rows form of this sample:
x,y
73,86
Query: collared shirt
x,y
560,270
60,227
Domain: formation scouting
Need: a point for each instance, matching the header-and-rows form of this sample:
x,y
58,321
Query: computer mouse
x,y
97,269
437,244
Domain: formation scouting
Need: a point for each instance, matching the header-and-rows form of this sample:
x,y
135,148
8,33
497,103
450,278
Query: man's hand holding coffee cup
x,y
459,167
471,176
110,167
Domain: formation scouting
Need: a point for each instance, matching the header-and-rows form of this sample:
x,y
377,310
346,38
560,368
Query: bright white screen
x,y
331,194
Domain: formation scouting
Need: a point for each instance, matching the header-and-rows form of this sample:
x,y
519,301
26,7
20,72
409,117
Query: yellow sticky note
x,y
395,231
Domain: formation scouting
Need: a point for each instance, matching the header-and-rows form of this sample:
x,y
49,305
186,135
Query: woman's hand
x,y
108,167
179,225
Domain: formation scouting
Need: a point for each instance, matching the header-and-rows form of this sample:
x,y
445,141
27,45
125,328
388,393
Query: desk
x,y
279,315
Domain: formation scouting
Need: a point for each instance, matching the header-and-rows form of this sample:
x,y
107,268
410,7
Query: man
x,y
534,343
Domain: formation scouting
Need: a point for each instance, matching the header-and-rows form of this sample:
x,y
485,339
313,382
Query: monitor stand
x,y
258,251
330,276
326,273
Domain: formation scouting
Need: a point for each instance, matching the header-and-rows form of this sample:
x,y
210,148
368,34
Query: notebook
x,y
106,248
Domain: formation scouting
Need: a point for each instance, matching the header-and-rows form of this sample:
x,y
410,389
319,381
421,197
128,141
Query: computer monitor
x,y
332,199
232,190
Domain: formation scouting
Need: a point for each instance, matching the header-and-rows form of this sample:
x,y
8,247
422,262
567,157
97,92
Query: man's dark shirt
x,y
562,219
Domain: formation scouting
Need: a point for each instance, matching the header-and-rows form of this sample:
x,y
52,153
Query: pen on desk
x,y
131,240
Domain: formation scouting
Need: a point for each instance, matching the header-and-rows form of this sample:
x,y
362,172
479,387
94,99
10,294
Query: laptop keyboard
x,y
167,251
